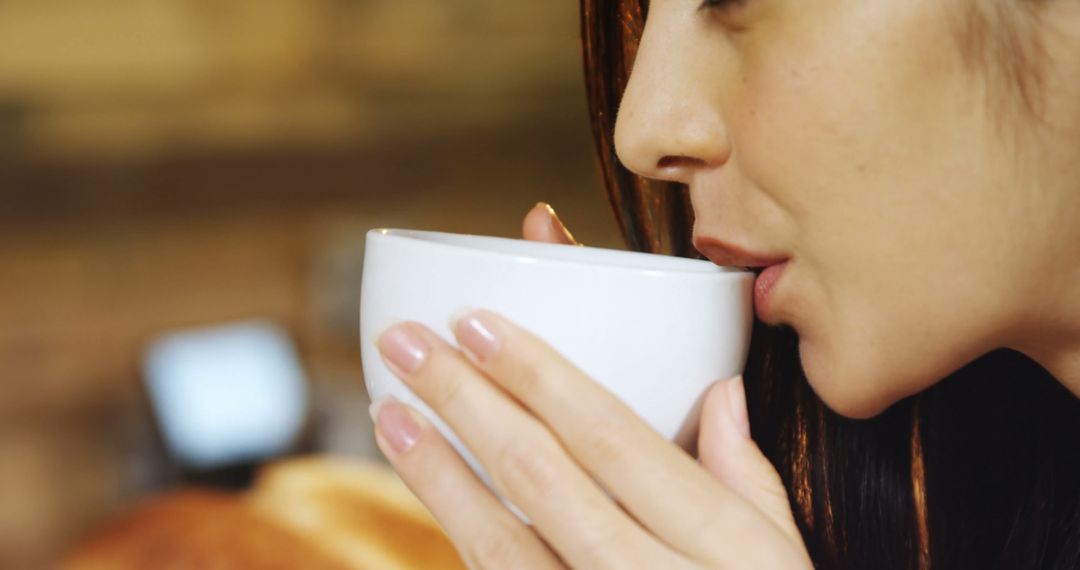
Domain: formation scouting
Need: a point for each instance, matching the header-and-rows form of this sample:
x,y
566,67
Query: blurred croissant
x,y
313,514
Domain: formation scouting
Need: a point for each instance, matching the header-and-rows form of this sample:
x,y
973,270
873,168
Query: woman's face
x,y
914,199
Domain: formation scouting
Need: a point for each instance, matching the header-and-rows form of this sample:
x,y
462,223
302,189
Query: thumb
x,y
726,450
542,224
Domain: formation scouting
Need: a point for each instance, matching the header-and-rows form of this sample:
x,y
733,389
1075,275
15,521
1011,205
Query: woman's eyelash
x,y
720,4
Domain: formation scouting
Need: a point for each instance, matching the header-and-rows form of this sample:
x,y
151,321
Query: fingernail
x,y
373,409
556,224
404,348
553,218
397,426
478,334
737,402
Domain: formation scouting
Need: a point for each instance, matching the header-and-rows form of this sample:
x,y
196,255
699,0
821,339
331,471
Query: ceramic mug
x,y
657,331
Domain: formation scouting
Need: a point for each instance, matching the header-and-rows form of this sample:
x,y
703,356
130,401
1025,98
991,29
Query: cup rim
x,y
541,252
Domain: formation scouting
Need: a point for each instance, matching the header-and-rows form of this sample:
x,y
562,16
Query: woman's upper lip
x,y
728,253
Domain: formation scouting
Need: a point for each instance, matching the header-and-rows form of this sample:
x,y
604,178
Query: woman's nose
x,y
669,125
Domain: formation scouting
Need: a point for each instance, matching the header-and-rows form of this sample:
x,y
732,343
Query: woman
x,y
905,176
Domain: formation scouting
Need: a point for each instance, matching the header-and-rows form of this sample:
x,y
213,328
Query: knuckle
x,y
525,472
723,520
604,441
495,549
445,391
526,377
605,547
772,486
527,364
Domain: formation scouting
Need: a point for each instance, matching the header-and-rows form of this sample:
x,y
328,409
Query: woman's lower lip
x,y
763,287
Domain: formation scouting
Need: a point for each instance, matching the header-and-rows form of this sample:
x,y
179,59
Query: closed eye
x,y
720,4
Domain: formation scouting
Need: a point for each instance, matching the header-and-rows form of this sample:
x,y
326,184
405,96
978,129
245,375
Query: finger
x,y
542,224
485,533
631,460
526,463
726,450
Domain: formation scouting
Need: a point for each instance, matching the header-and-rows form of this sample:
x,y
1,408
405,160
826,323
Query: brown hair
x,y
980,471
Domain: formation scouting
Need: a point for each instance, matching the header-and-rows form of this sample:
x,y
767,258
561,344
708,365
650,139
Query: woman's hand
x,y
602,489
542,224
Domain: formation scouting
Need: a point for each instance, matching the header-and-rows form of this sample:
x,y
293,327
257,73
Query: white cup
x,y
655,330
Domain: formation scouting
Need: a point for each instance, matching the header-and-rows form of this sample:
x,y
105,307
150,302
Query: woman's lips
x,y
763,287
728,253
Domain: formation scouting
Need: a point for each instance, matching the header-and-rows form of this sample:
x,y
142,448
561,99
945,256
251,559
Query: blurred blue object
x,y
226,394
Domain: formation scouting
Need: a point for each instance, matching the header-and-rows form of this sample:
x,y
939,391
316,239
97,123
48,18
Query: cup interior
x,y
580,255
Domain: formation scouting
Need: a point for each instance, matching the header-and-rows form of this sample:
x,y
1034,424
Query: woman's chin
x,y
843,386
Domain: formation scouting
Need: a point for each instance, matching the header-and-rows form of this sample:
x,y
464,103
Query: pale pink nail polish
x,y
404,348
479,334
398,427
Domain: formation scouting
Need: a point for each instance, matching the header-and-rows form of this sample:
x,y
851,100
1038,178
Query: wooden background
x,y
190,162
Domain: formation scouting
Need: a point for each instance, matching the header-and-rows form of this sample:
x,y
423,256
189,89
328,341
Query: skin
x,y
925,222
553,442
